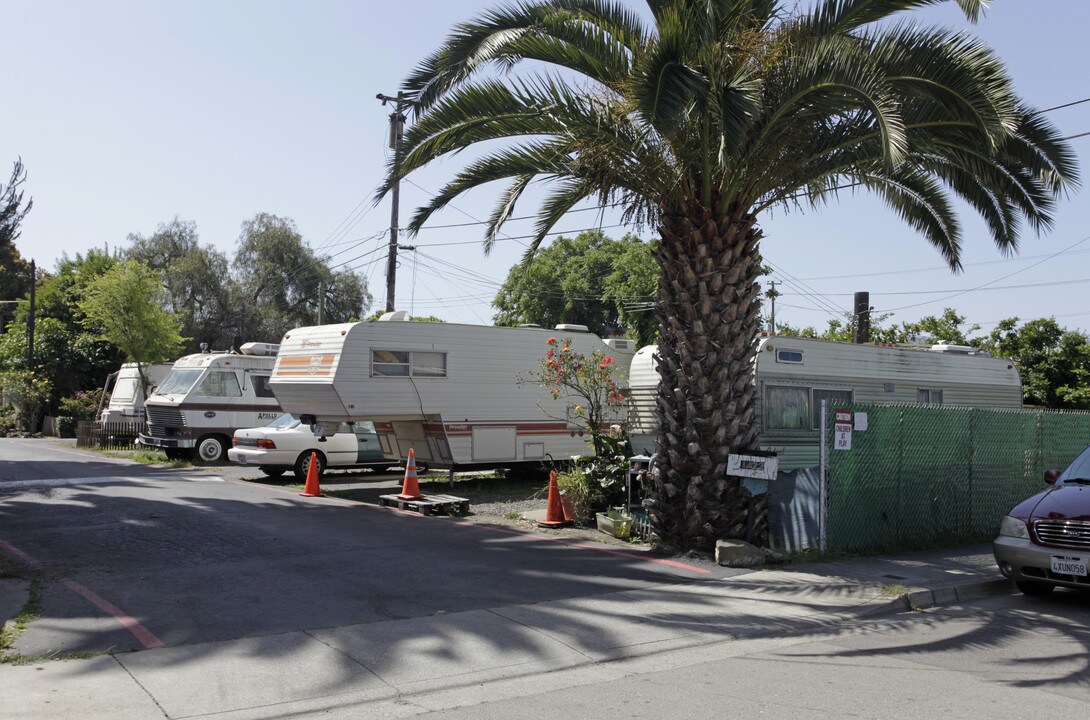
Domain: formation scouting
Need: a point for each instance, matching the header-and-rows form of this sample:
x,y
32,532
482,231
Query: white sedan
x,y
286,443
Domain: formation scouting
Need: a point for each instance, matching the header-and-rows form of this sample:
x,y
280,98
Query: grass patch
x,y
146,457
894,590
39,659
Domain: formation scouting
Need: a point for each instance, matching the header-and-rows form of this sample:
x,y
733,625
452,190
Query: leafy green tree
x,y
197,282
1054,362
946,328
124,307
29,392
14,270
700,120
279,279
65,353
587,280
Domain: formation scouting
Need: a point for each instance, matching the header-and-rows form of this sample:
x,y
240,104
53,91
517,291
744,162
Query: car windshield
x,y
284,422
1078,472
179,382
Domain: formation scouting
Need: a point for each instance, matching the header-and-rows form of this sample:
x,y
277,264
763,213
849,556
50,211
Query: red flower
x,y
551,341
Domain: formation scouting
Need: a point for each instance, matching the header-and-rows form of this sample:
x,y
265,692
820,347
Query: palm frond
x,y
843,16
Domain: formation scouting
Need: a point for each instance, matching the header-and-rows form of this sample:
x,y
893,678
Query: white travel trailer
x,y
795,374
450,392
207,396
127,391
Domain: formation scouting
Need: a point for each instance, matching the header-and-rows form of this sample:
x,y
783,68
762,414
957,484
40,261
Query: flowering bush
x,y
592,380
83,405
589,378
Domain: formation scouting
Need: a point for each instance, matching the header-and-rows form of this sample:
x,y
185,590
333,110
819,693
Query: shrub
x,y
83,405
585,492
66,426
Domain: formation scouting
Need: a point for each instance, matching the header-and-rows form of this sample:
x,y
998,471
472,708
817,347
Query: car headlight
x,y
1013,527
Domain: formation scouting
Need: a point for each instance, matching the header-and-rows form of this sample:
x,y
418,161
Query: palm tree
x,y
697,117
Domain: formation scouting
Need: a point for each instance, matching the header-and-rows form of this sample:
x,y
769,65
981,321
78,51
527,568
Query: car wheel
x,y
302,464
1034,588
211,449
273,470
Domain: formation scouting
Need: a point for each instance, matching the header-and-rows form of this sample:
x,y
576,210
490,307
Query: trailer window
x,y
429,364
220,383
393,363
929,396
261,386
793,357
388,363
833,399
787,408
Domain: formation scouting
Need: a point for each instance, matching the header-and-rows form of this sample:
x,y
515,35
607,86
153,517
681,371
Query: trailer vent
x,y
956,349
573,328
260,349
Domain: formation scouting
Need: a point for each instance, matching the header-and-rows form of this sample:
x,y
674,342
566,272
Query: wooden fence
x,y
114,435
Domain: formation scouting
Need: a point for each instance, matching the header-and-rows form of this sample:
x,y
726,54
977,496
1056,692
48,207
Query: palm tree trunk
x,y
709,305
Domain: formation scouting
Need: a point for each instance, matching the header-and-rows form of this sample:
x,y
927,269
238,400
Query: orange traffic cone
x,y
554,515
311,489
410,490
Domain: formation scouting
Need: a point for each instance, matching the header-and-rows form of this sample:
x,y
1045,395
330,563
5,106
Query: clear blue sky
x,y
127,114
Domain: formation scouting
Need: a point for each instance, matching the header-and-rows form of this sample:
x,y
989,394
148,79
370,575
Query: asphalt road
x,y
134,557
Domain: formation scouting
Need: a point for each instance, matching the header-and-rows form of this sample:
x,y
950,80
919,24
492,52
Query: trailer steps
x,y
428,505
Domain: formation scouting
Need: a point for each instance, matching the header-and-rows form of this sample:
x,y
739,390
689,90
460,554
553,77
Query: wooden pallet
x,y
428,505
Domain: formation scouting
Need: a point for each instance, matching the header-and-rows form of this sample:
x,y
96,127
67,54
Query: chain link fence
x,y
931,476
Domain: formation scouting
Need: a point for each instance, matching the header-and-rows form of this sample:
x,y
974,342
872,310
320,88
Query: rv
x,y
128,391
794,375
449,392
206,397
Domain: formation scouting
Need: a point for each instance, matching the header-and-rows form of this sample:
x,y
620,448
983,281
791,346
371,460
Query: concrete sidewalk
x,y
451,659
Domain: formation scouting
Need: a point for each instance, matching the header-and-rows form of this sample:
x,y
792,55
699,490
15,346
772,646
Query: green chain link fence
x,y
928,476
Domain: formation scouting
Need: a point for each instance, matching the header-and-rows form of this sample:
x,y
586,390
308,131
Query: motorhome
x,y
450,392
207,396
795,374
127,391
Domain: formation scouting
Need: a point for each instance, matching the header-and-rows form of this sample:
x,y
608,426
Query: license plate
x,y
1067,565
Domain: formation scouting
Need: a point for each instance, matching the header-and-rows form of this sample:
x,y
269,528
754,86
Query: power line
x,y
1016,272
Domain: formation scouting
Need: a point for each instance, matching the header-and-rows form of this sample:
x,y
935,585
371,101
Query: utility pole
x,y
862,318
30,319
397,128
772,296
321,302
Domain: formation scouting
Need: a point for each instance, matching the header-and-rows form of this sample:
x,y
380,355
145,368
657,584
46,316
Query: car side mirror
x,y
1051,475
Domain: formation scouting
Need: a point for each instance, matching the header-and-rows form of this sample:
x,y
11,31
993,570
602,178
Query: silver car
x,y
1044,542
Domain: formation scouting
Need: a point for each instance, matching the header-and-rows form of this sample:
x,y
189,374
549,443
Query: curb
x,y
926,599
